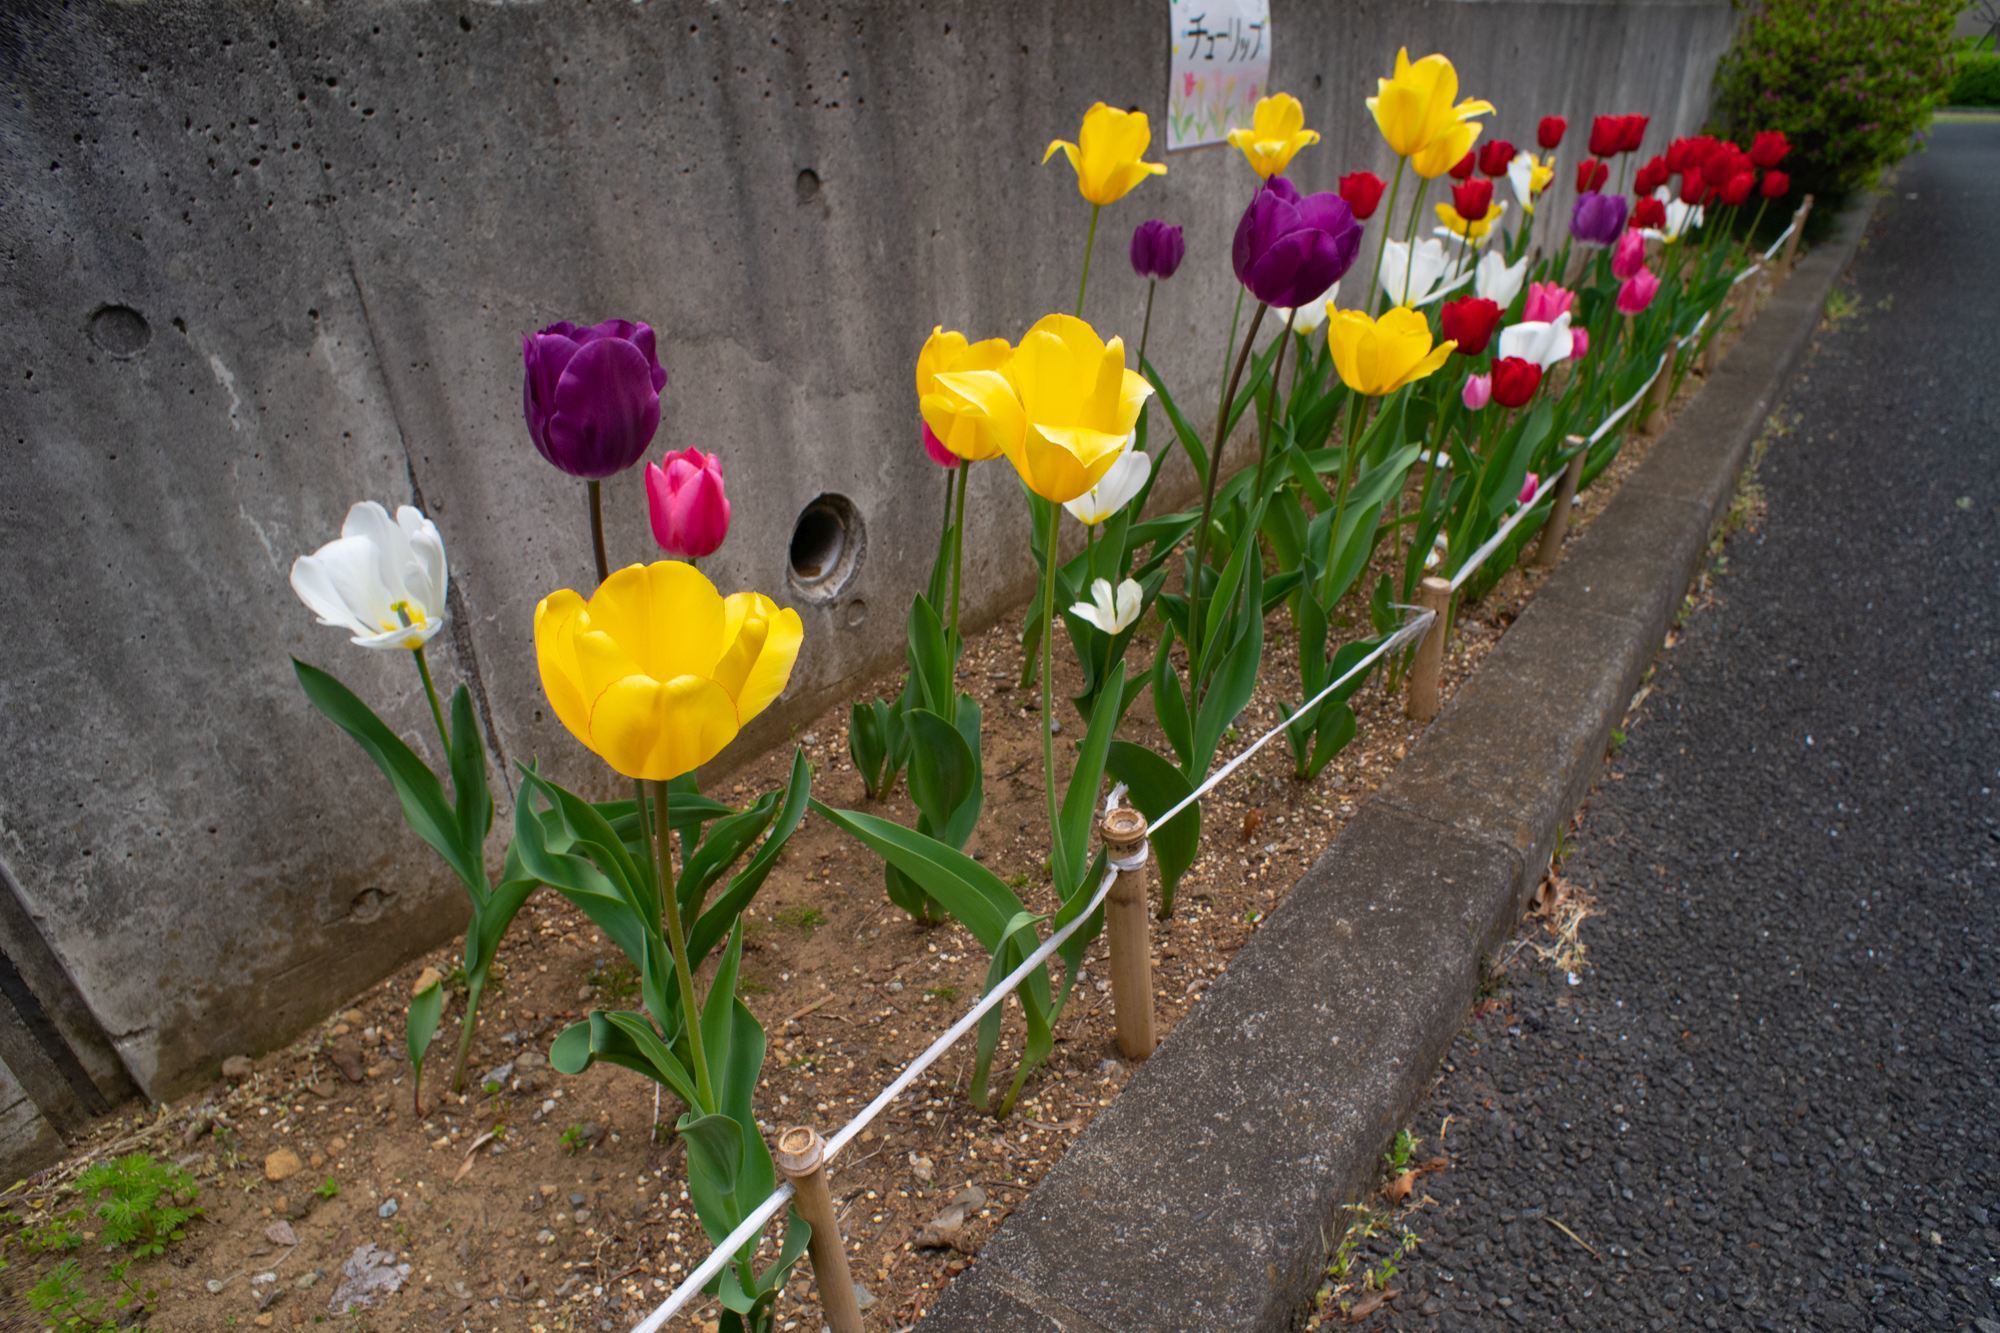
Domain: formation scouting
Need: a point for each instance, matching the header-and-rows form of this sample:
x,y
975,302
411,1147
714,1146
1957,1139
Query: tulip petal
x,y
605,409
666,618
556,620
657,730
757,664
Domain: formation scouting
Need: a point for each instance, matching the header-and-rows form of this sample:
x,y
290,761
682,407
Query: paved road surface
x,y
1772,1100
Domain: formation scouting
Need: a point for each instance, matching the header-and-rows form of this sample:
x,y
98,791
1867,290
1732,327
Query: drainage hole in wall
x,y
827,544
119,330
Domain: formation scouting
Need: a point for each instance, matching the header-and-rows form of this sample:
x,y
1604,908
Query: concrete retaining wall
x,y
261,261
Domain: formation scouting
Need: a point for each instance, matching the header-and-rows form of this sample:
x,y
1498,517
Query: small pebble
x,y
389,1208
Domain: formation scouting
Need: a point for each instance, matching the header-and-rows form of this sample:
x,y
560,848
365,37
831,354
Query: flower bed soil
x,y
539,1202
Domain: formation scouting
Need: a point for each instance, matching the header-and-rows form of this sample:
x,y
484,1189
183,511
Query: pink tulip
x,y
1629,255
1580,344
940,455
1478,391
1637,292
1528,489
689,510
1546,300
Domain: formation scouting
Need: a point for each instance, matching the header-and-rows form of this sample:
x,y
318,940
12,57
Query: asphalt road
x,y
1771,1097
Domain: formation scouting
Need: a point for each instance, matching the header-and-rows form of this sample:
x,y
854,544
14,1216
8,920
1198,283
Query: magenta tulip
x,y
933,446
1478,391
1628,256
1546,301
1637,292
1579,346
690,513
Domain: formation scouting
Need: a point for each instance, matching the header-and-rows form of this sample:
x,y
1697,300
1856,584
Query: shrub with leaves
x,y
1849,84
141,1203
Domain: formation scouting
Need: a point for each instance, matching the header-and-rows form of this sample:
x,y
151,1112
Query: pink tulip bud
x,y
1478,391
689,510
1580,344
1638,292
940,455
1629,255
1546,301
1528,489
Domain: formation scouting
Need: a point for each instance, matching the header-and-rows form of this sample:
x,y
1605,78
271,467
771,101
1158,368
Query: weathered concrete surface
x,y
261,261
1208,1195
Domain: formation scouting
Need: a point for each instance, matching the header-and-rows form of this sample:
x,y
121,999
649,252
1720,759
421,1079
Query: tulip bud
x,y
1478,391
1591,175
1628,256
1515,380
1495,155
1579,346
1649,213
1469,321
1723,162
592,396
1738,188
934,447
1694,188
1637,292
1776,185
1549,134
1529,488
1607,133
1157,249
690,513
1473,198
1633,133
1462,169
1363,192
1769,147
1651,176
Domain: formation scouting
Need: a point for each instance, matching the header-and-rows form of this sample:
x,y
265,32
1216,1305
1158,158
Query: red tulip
x,y
1651,176
1687,154
1650,213
1695,188
1549,134
1591,175
1515,380
1363,192
1769,147
1463,169
1723,162
1738,188
1494,155
1776,185
1607,136
1634,133
1469,321
1473,198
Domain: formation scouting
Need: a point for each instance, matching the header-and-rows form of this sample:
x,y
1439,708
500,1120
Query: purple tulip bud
x,y
1157,249
1289,248
1597,219
592,396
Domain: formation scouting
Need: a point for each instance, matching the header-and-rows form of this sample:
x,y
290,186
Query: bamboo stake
x,y
802,1157
1126,914
1433,594
1791,252
1557,526
1653,412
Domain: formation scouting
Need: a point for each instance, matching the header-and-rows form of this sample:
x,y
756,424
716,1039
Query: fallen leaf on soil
x,y
471,1155
1399,1189
1370,1303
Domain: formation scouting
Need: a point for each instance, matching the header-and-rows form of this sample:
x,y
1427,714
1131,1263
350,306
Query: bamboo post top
x,y
801,1151
1124,831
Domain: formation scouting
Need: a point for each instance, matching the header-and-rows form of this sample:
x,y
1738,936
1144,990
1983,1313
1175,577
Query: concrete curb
x,y
1208,1195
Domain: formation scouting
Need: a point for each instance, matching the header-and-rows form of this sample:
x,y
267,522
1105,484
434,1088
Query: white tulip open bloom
x,y
383,578
1115,489
1112,612
1308,317
1681,218
1498,281
1425,271
1546,343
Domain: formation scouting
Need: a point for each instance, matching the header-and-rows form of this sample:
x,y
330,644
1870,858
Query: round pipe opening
x,y
827,544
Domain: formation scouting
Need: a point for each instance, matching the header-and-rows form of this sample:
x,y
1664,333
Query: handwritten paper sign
x,y
1221,66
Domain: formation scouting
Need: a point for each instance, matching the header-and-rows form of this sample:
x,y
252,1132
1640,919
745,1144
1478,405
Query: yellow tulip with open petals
x,y
967,434
1107,153
1277,132
1065,404
1418,117
1470,231
1376,357
656,671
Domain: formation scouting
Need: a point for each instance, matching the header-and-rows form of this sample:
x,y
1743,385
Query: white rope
x,y
761,1216
1783,236
1746,274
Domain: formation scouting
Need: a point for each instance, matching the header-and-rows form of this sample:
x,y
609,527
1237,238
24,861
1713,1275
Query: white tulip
x,y
1115,489
1681,218
1111,612
1544,343
1521,175
1496,280
382,578
1308,317
1426,270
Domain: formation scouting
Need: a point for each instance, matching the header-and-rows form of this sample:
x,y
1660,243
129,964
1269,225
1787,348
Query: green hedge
x,y
1978,80
1848,81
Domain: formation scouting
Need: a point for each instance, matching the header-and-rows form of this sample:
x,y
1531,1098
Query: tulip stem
x,y
1050,532
1350,449
1208,491
1089,244
1382,241
1277,401
1146,325
474,987
957,556
670,920
596,489
430,692
1410,257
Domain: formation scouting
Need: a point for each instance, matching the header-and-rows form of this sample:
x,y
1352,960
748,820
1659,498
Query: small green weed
x,y
616,981
575,1139
140,1203
1397,1159
328,1188
803,918
945,993
62,1299
1617,740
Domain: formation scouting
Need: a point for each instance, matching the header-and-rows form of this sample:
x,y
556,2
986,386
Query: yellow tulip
x,y
1376,357
1107,153
1416,114
657,671
1064,406
1277,132
965,434
1471,231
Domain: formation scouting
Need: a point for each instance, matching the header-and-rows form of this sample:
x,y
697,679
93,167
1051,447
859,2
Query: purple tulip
x,y
1597,219
1157,249
1289,248
592,396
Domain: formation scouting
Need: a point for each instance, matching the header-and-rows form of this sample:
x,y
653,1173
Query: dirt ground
x,y
539,1202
